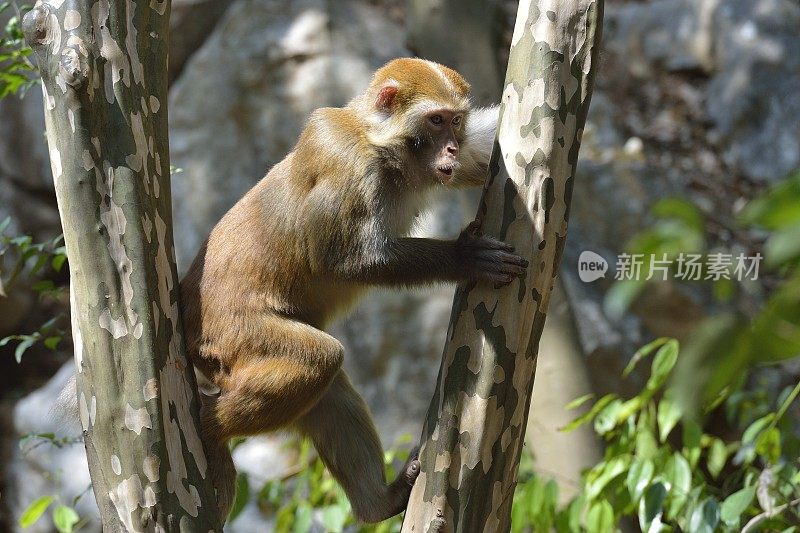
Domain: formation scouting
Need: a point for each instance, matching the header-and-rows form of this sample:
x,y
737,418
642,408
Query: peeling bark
x,y
475,427
104,78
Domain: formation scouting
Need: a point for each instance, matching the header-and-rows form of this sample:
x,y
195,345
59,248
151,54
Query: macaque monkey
x,y
325,223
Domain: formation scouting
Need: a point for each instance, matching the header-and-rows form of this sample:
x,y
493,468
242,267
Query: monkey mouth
x,y
446,172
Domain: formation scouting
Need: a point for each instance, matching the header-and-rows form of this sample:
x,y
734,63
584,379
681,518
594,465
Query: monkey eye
x,y
457,121
437,120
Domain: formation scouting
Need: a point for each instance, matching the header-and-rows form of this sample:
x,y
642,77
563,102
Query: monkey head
x,y
418,109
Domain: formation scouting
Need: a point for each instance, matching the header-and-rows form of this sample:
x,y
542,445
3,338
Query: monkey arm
x,y
408,261
405,261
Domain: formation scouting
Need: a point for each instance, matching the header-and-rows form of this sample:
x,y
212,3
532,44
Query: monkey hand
x,y
484,258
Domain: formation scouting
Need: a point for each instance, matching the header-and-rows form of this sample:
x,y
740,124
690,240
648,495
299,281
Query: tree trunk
x,y
475,425
104,78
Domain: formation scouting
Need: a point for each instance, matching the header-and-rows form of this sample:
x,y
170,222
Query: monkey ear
x,y
386,97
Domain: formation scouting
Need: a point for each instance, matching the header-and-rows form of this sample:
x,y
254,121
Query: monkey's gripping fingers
x,y
412,467
400,489
473,229
485,258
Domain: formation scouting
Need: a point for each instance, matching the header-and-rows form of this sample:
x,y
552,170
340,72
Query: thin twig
x,y
756,520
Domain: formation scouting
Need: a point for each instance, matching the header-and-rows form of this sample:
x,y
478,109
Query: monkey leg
x,y
263,393
345,438
281,380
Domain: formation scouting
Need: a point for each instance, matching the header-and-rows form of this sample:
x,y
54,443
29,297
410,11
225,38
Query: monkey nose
x,y
452,149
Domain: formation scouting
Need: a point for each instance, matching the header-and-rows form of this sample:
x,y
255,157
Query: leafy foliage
x,y
17,73
64,517
310,496
767,330
28,260
727,344
661,468
49,333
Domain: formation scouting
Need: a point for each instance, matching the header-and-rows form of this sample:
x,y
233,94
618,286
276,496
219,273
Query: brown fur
x,y
299,248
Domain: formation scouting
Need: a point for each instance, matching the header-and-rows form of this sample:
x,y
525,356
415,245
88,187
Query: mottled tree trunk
x,y
104,77
475,426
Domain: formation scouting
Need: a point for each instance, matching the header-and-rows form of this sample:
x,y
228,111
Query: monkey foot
x,y
412,471
412,467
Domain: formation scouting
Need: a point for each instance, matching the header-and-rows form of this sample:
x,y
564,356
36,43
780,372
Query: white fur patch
x,y
481,128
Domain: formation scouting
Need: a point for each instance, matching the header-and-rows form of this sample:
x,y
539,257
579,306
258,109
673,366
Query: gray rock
x,y
190,23
26,183
754,98
750,49
657,34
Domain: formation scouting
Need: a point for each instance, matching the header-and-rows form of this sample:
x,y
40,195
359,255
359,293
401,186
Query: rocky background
x,y
694,98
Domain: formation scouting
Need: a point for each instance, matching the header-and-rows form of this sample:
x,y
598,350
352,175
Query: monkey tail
x,y
223,476
64,411
220,460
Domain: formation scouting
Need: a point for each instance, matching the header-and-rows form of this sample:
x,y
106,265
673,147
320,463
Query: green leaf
x,y
768,445
717,457
58,262
777,209
692,438
736,504
754,430
35,511
52,342
705,517
680,209
334,518
22,347
646,444
651,507
717,354
284,519
643,352
663,363
679,476
43,286
303,518
776,330
241,497
589,415
65,518
668,415
606,419
600,518
577,402
639,476
39,264
22,242
629,407
602,474
575,513
6,221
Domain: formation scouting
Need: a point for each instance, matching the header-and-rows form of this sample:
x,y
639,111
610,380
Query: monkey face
x,y
444,129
